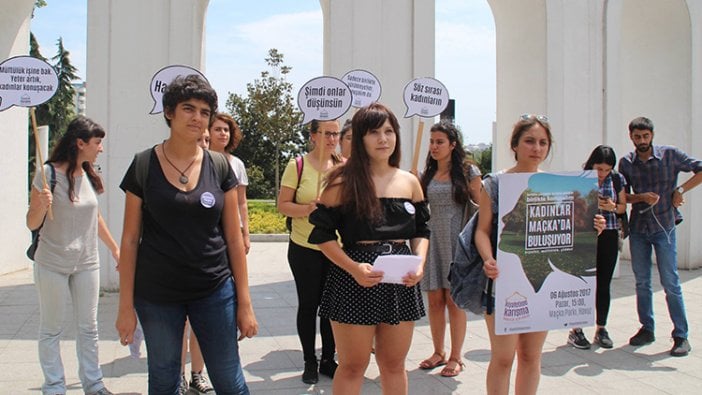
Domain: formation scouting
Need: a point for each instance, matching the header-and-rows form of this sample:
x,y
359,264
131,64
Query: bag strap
x,y
52,177
300,162
300,165
221,165
616,181
141,163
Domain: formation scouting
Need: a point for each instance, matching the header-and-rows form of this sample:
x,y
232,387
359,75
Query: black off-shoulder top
x,y
402,220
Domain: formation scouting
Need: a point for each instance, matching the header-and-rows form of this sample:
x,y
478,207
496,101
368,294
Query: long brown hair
x,y
358,195
66,150
459,164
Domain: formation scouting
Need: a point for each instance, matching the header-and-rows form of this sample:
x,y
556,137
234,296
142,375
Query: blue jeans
x,y
213,319
83,289
641,245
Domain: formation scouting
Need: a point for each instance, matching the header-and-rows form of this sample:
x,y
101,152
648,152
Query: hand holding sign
x,y
365,87
26,81
164,77
426,97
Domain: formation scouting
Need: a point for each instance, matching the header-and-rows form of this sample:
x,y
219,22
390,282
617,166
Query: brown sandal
x,y
431,362
447,371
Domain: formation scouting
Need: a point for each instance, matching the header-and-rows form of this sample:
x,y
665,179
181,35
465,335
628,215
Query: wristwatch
x,y
680,190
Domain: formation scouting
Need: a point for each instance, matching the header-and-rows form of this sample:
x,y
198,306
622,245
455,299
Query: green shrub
x,y
264,218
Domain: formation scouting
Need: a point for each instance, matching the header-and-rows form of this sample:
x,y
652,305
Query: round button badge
x,y
207,200
409,207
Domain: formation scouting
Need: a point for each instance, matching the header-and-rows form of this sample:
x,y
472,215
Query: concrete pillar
x,y
128,42
592,67
520,32
694,134
651,73
14,41
393,39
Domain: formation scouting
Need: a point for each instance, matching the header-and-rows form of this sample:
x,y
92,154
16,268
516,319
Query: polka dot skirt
x,y
345,301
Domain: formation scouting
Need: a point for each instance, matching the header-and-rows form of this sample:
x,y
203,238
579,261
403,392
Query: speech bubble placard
x,y
365,87
162,78
426,97
323,99
26,81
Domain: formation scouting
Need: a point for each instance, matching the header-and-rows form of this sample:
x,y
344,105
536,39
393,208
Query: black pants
x,y
607,252
310,269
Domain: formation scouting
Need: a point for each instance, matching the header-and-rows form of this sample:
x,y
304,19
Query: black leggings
x,y
607,252
309,268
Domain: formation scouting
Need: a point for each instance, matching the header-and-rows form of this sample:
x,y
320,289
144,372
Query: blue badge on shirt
x,y
207,200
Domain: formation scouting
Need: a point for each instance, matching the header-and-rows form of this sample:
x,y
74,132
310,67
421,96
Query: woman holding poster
x,y
612,201
531,143
451,185
376,208
299,191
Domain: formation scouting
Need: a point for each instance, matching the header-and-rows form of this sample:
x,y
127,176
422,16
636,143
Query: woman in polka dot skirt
x,y
377,209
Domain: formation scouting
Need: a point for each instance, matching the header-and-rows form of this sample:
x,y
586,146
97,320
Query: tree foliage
x,y
270,122
58,111
484,159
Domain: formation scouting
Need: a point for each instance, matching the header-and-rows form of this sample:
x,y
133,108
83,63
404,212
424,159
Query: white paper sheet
x,y
395,267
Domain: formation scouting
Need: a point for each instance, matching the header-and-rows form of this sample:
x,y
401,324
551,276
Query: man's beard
x,y
643,147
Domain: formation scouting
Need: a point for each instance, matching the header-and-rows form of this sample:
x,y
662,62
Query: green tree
x,y
58,111
38,4
270,122
484,159
62,103
39,112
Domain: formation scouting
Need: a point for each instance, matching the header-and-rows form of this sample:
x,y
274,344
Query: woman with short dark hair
x,y
182,249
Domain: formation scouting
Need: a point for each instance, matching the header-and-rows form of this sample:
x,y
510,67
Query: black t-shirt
x,y
182,255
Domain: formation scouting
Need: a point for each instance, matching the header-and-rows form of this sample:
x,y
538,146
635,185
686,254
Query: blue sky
x,y
239,35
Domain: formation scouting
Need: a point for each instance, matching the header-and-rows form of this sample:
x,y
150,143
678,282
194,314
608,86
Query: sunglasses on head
x,y
540,118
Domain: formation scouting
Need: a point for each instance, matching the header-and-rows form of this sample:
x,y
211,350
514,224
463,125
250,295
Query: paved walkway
x,y
273,361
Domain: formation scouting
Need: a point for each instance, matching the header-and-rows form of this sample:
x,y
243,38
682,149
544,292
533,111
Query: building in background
x,y
79,97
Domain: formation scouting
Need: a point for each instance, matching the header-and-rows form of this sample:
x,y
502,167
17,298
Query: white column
x,y
14,41
693,255
394,40
574,34
128,42
520,29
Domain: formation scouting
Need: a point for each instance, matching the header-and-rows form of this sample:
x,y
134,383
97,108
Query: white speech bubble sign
x,y
162,78
426,97
365,87
26,81
323,99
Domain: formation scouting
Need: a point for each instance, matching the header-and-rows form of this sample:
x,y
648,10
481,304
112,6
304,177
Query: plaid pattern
x,y
659,174
607,190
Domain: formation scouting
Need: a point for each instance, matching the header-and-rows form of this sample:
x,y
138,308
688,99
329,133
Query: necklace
x,y
183,179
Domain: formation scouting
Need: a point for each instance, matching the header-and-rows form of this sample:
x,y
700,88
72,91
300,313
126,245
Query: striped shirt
x,y
659,174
